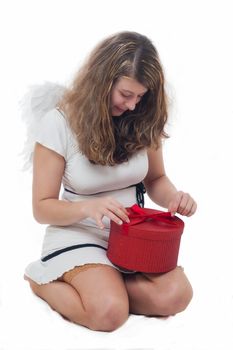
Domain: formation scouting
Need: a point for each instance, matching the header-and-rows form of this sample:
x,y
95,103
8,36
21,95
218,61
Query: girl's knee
x,y
175,299
109,315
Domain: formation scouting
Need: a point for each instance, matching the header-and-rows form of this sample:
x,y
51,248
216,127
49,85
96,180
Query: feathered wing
x,y
38,100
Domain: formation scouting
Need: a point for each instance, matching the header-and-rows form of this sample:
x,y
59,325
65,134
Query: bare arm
x,y
159,188
162,191
48,169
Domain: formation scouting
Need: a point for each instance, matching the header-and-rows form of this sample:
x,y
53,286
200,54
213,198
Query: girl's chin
x,y
117,111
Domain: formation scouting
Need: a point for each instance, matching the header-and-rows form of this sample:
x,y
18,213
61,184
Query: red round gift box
x,y
149,243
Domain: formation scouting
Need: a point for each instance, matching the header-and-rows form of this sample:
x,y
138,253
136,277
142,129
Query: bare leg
x,y
62,298
158,294
95,298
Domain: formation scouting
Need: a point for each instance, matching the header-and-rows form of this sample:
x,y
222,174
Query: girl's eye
x,y
126,96
130,96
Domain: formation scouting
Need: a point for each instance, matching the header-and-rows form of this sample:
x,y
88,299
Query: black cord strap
x,y
72,247
140,190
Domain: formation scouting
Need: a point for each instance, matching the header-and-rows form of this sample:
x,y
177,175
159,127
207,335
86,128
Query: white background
x,y
47,41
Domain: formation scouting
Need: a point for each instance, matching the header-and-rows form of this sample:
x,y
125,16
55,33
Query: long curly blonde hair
x,y
108,140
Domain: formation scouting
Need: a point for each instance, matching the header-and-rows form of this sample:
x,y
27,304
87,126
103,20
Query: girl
x,y
103,137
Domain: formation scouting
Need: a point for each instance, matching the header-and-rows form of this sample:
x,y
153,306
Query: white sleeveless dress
x,y
65,247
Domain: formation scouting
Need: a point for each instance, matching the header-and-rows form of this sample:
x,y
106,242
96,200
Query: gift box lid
x,y
149,224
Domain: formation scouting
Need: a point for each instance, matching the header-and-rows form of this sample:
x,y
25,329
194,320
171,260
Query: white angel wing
x,y
34,105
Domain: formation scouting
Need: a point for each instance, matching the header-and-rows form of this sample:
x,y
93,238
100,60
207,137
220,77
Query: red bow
x,y
139,215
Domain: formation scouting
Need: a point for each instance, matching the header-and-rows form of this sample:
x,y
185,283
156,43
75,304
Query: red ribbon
x,y
141,215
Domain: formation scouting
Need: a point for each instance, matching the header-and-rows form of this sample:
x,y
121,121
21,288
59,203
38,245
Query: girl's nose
x,y
131,106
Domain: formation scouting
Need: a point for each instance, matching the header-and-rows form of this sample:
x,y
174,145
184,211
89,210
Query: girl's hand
x,y
105,206
182,203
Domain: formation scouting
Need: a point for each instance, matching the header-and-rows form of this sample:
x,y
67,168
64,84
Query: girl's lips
x,y
120,110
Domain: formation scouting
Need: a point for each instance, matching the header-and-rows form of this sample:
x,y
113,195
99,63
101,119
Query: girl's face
x,y
125,94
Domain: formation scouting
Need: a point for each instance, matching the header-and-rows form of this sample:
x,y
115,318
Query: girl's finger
x,y
100,223
118,205
120,212
113,217
186,210
184,203
193,209
174,204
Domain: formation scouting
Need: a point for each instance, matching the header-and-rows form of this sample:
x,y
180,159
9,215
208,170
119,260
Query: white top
x,y
87,180
80,175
